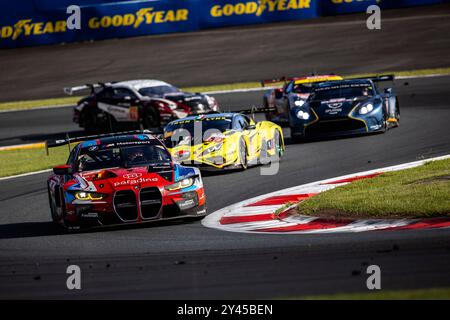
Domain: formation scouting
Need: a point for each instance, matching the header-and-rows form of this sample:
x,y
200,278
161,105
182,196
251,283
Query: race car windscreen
x,y
346,91
302,88
129,156
158,91
176,133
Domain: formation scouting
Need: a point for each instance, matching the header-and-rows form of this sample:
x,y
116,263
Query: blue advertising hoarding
x,y
40,22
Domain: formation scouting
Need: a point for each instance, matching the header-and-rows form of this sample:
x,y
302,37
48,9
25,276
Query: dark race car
x,y
136,104
294,93
121,179
354,106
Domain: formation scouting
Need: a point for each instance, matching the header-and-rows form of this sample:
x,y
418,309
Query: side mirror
x,y
278,93
251,127
64,169
127,98
388,91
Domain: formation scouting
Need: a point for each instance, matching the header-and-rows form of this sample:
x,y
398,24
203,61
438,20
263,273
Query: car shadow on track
x,y
289,141
29,229
48,228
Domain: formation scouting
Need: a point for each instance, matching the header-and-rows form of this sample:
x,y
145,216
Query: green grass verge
x,y
418,294
28,160
241,85
30,104
417,192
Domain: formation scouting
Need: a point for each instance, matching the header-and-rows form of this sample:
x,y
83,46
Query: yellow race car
x,y
223,141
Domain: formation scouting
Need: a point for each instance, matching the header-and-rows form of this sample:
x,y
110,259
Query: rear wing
x,y
89,86
380,78
276,80
311,78
254,110
68,141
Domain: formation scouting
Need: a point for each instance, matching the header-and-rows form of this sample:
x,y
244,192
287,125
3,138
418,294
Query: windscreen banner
x,y
40,22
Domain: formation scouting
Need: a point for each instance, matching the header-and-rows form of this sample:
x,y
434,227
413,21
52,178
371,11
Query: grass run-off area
x,y
423,191
30,104
15,162
416,294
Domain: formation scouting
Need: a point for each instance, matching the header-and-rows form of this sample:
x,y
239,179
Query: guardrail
x,y
41,22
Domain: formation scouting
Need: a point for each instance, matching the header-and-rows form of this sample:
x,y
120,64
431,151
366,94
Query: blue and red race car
x,y
122,178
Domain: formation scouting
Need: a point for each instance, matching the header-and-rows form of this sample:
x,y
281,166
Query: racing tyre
x,y
55,217
397,112
89,120
151,118
279,150
243,154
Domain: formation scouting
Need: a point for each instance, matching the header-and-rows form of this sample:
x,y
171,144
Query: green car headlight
x,y
180,184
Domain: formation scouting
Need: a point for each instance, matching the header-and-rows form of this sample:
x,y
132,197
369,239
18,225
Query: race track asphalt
x,y
189,261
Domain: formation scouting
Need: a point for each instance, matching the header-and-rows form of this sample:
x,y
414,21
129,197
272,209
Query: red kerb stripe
x,y
280,200
317,224
354,178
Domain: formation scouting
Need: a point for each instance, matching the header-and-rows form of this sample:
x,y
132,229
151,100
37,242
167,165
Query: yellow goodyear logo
x,y
258,7
26,27
144,16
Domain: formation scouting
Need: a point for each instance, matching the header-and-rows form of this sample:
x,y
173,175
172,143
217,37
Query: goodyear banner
x,y
237,12
40,22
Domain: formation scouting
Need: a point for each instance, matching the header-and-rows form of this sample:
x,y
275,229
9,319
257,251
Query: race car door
x,y
121,103
251,135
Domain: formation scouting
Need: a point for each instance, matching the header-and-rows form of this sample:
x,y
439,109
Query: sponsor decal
x,y
258,8
26,27
90,215
134,175
134,181
134,113
335,105
144,16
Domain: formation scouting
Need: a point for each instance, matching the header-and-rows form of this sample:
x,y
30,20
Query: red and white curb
x,y
259,214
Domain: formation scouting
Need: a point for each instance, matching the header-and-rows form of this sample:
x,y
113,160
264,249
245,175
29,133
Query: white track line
x,y
25,174
59,106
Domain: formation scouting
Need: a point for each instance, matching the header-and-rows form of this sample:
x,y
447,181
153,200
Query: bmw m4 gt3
x,y
122,179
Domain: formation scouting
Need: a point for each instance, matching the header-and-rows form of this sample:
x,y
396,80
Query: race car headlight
x,y
366,109
299,103
181,184
302,115
83,195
